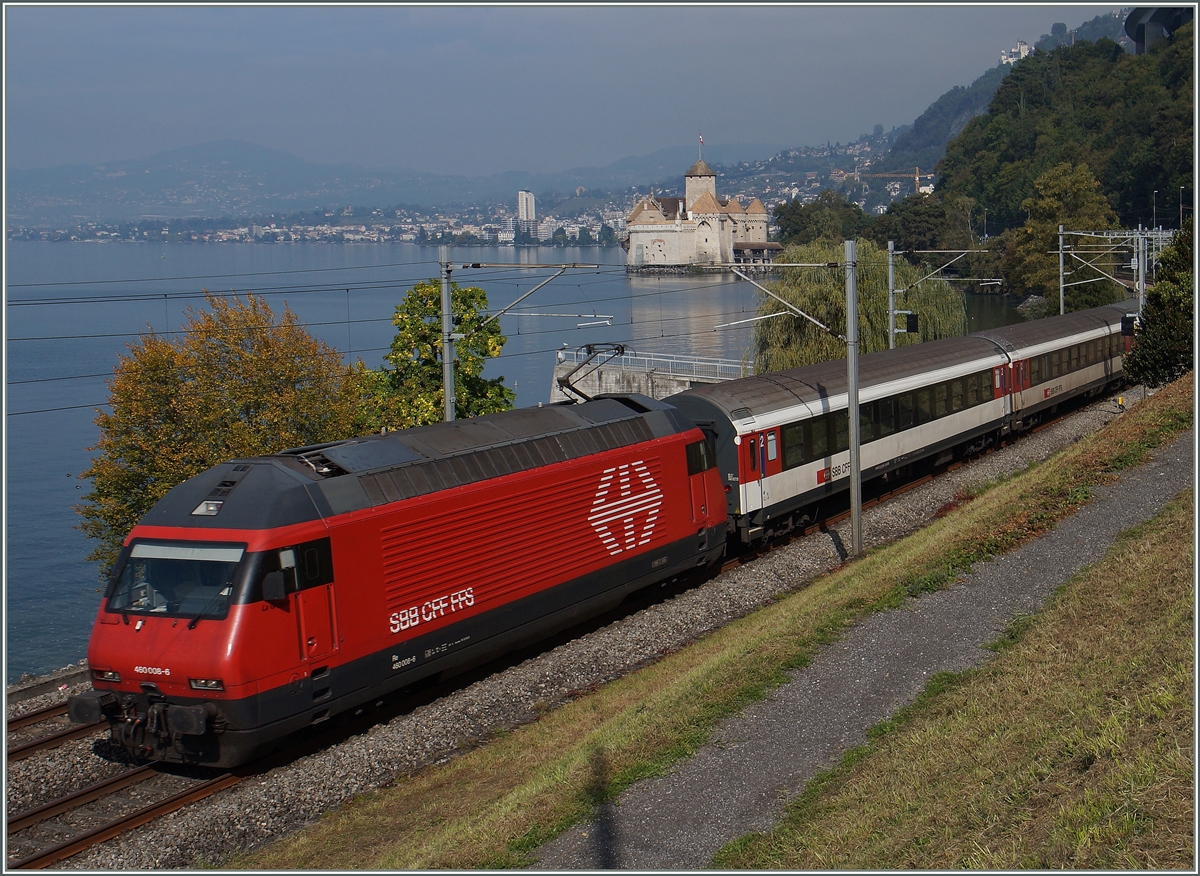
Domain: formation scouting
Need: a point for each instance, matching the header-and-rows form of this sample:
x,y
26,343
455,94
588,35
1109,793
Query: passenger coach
x,y
782,439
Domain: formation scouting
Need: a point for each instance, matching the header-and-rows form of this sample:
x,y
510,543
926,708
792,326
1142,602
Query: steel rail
x,y
36,716
28,749
29,817
126,823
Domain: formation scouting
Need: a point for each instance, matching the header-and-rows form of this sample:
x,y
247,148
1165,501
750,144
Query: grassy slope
x,y
1072,749
491,806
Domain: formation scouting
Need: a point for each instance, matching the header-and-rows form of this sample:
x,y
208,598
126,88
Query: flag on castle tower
x,y
701,138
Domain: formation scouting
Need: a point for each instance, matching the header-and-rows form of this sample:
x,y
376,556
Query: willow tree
x,y
789,341
236,381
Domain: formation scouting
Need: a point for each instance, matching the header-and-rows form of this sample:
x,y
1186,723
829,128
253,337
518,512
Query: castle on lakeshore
x,y
698,229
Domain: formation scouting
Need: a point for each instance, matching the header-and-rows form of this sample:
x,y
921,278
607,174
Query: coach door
x,y
769,463
1020,383
1000,377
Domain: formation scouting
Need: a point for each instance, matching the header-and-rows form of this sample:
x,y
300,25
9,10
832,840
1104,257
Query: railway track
x,y
73,823
30,741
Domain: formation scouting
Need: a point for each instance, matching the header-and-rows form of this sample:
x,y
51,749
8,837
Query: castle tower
x,y
699,179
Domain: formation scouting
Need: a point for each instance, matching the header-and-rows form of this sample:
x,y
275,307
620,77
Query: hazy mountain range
x,y
234,178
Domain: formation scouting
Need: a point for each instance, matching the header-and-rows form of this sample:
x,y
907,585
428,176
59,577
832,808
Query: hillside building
x,y
700,228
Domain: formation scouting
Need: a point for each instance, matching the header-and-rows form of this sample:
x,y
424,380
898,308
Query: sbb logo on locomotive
x,y
431,610
626,506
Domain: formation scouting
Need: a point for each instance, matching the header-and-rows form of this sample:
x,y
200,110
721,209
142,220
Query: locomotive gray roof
x,y
764,393
310,483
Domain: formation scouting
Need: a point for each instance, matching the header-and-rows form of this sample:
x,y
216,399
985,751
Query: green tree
x,y
585,237
790,341
1164,343
829,217
235,382
1069,196
410,392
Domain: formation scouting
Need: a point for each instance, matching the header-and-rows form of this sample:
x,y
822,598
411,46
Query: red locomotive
x,y
268,594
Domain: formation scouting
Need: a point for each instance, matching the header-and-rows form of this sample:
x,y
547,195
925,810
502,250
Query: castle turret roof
x,y
756,206
732,206
706,203
647,212
700,169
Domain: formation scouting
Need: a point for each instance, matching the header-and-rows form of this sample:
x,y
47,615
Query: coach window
x,y
772,448
956,396
793,445
866,423
1075,358
924,406
753,454
887,417
905,412
818,438
972,390
1055,364
1035,370
841,431
939,401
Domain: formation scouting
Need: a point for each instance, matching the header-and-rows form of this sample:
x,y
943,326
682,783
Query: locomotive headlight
x,y
206,684
105,675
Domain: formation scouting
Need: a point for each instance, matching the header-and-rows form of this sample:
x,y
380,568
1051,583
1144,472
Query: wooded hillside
x,y
1128,117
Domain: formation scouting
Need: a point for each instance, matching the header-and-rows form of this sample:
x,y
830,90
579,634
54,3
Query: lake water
x,y
73,307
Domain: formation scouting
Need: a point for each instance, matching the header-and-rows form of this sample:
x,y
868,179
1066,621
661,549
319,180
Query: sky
x,y
477,90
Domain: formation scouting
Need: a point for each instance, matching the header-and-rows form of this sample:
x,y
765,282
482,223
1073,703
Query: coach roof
x,y
809,384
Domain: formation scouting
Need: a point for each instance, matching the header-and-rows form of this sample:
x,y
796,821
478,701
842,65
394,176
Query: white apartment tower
x,y
526,210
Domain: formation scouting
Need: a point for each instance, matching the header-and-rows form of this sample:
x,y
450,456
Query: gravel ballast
x,y
289,797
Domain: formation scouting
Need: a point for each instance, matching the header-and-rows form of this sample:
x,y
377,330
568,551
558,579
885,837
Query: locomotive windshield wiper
x,y
224,591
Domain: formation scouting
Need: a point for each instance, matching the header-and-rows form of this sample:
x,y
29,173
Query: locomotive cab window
x,y
175,580
700,457
305,565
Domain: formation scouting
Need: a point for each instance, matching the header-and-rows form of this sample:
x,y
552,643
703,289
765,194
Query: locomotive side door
x,y
311,570
700,458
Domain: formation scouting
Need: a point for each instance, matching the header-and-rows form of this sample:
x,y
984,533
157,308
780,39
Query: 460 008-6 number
x,y
151,670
